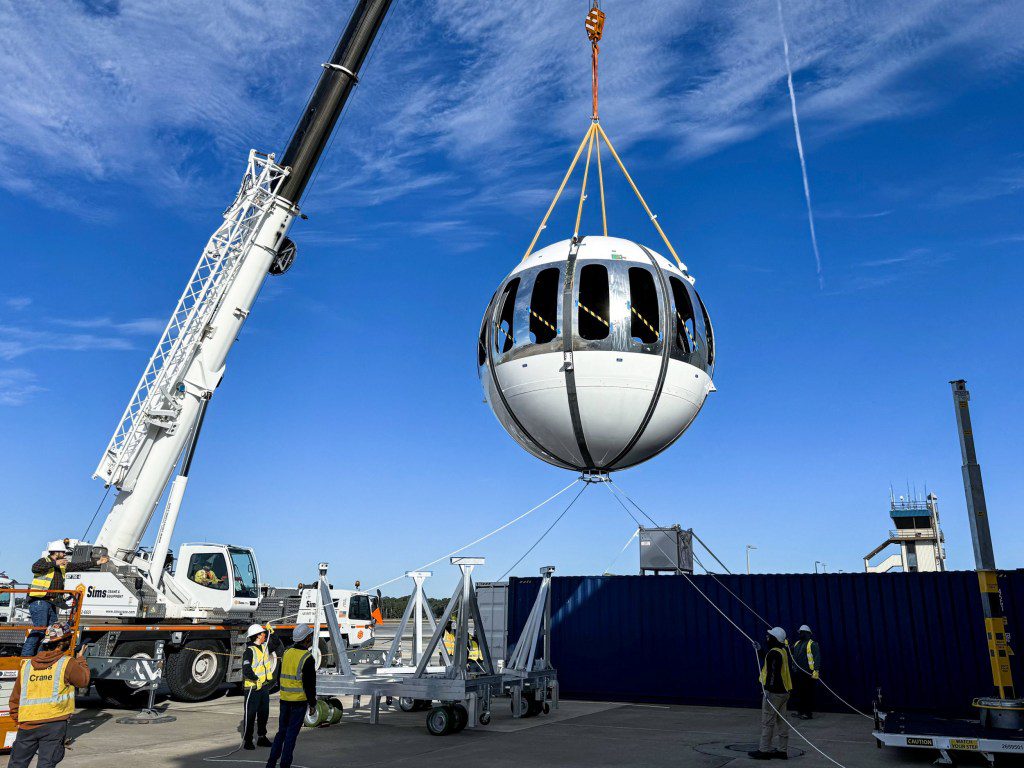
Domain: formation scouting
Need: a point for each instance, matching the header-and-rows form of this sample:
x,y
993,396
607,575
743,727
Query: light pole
x,y
749,547
824,567
816,564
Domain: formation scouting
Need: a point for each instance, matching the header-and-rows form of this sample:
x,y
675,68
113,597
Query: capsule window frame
x,y
505,313
540,317
584,319
686,343
649,309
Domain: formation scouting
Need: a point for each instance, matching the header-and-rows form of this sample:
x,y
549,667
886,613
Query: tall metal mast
x,y
189,359
1004,710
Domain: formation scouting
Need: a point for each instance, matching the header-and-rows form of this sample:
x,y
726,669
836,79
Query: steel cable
x,y
550,527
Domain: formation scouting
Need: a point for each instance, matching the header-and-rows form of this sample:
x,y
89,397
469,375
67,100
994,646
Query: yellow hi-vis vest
x,y
291,674
42,581
262,666
787,681
44,694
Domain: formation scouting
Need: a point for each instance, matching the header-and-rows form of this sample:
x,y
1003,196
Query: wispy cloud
x,y
18,303
17,386
166,95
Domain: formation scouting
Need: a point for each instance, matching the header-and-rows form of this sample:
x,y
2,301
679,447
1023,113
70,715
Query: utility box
x,y
666,549
492,597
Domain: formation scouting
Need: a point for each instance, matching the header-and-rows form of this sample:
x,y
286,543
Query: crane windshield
x,y
244,567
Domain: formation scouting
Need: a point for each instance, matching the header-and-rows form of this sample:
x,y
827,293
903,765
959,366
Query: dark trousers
x,y
42,614
802,701
288,727
46,741
257,710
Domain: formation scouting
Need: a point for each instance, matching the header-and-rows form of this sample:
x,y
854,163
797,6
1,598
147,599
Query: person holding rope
x,y
807,660
258,664
776,685
43,699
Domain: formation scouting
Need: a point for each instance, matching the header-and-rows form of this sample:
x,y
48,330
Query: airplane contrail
x,y
800,146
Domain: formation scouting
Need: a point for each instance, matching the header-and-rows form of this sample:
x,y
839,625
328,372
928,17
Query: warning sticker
x,y
964,744
919,741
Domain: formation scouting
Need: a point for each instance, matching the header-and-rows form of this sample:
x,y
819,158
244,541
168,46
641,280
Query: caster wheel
x,y
408,705
440,721
485,718
337,711
547,708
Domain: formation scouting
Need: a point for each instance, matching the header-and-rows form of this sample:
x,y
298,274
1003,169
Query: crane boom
x,y
188,362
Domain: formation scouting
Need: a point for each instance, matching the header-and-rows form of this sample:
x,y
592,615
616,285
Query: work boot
x,y
778,754
263,741
757,754
248,745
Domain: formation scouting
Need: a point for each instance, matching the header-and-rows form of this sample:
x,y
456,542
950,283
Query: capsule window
x,y
481,343
685,323
644,313
504,338
709,336
592,314
544,306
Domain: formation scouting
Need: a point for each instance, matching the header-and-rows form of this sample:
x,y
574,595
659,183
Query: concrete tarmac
x,y
579,734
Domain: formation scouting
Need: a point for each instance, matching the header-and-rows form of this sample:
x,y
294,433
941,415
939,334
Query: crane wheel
x,y
196,670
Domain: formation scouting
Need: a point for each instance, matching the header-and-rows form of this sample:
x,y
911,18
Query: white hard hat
x,y
778,633
255,629
804,628
56,546
301,632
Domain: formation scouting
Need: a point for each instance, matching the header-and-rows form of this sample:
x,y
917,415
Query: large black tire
x,y
440,721
120,693
461,717
196,670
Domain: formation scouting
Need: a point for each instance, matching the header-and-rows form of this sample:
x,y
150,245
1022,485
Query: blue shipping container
x,y
918,636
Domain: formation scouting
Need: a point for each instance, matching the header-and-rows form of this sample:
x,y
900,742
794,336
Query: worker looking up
x,y
48,574
298,694
43,699
775,686
258,675
806,667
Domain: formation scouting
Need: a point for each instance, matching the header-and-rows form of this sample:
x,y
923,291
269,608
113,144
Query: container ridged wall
x,y
919,636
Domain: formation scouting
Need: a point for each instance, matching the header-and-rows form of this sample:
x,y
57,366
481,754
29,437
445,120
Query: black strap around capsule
x,y
666,353
501,394
568,335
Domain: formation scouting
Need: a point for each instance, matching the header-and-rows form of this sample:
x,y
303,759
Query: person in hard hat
x,y
205,577
776,685
806,671
43,699
47,575
257,678
298,694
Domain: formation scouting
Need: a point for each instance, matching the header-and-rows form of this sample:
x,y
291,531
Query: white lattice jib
x,y
155,400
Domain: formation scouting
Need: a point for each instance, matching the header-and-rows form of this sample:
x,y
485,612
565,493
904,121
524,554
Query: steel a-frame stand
x,y
530,679
416,610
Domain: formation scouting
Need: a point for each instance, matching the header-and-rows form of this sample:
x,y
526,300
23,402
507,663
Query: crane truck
x,y
201,607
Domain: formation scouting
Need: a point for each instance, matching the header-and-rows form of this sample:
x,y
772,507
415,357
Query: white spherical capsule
x,y
596,355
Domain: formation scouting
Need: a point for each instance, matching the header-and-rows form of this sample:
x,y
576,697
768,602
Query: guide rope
x,y
742,602
754,644
543,535
482,538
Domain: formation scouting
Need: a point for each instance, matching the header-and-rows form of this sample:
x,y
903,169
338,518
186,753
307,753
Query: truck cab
x,y
218,577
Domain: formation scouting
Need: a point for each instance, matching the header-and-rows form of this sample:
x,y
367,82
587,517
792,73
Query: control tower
x,y
917,534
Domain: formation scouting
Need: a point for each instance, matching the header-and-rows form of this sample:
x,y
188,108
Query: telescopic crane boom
x,y
164,413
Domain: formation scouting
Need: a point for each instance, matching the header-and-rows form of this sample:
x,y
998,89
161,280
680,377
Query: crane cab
x,y
219,577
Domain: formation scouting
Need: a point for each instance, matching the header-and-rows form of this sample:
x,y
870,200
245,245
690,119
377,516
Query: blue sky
x,y
350,425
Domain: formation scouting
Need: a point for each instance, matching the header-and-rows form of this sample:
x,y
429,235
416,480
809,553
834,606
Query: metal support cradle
x,y
462,686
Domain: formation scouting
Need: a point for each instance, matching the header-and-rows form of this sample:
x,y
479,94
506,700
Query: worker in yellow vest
x,y
43,699
257,675
298,694
776,684
47,575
